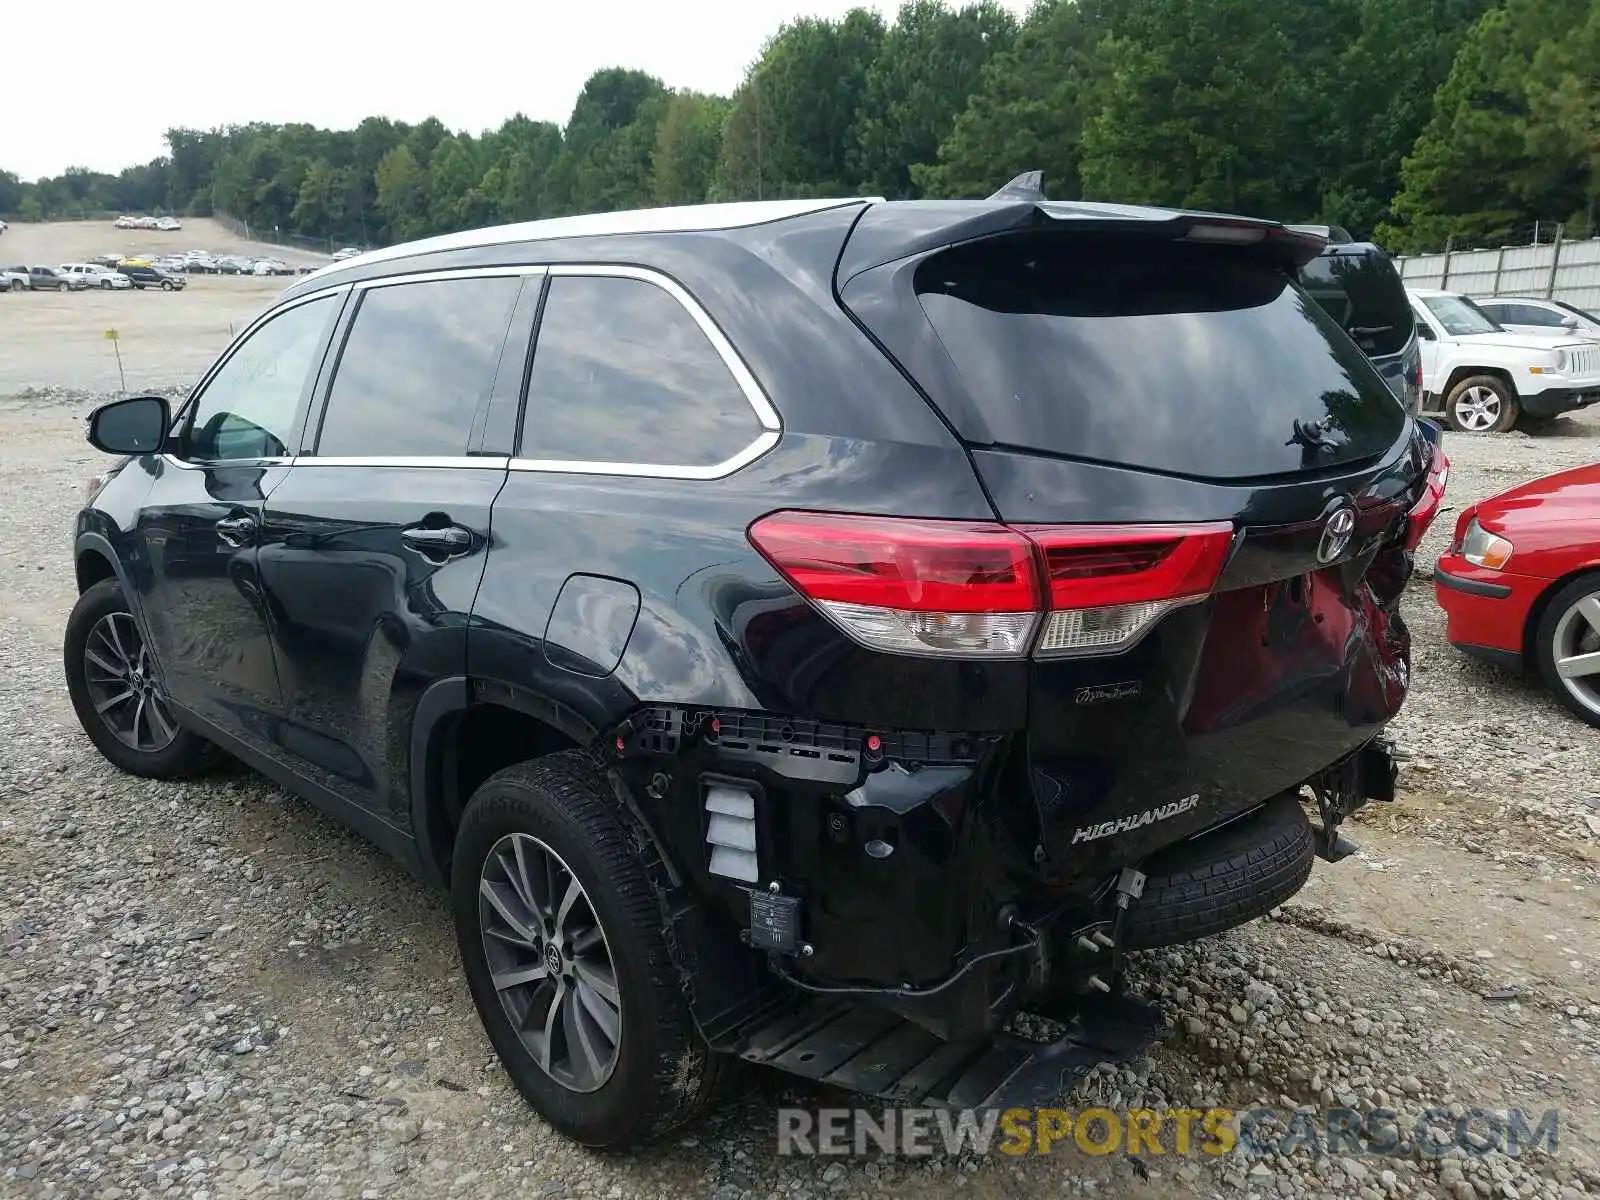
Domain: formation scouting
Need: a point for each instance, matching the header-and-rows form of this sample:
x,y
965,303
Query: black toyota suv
x,y
805,633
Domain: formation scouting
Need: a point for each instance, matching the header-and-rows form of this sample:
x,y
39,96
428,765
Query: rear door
x,y
373,545
1129,398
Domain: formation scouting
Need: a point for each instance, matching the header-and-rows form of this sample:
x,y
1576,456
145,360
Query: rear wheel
x,y
561,940
117,692
1567,646
1481,404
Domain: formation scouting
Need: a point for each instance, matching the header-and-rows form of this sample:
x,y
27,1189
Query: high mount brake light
x,y
981,589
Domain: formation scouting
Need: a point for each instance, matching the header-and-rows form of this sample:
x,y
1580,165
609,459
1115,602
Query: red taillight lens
x,y
918,566
980,588
1089,566
1423,512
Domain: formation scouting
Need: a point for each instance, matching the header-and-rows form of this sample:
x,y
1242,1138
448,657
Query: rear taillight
x,y
1423,512
982,589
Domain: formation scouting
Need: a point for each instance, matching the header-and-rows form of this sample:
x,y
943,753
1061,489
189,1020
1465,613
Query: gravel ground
x,y
206,989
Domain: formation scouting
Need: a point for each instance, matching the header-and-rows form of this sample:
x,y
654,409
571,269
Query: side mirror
x,y
137,425
1569,322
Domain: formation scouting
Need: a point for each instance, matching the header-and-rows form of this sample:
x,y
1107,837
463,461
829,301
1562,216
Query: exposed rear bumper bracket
x,y
872,1051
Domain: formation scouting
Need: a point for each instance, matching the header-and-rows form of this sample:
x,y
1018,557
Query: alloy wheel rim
x,y
123,688
549,962
1575,649
1478,409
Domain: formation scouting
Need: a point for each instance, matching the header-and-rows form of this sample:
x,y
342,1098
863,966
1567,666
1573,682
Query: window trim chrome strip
x,y
768,417
496,462
771,423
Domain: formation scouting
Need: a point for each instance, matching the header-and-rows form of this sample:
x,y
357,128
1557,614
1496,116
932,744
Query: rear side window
x,y
1361,290
622,373
418,362
1195,359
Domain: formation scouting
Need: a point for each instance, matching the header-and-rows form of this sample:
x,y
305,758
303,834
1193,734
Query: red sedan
x,y
1520,583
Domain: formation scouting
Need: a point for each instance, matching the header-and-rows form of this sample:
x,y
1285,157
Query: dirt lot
x,y
164,337
208,990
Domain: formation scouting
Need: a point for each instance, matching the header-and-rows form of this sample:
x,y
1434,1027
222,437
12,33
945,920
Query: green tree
x,y
926,70
402,192
1027,112
1188,108
688,142
790,130
1495,154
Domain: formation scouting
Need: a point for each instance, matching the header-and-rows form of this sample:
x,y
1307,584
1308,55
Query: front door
x,y
199,528
374,544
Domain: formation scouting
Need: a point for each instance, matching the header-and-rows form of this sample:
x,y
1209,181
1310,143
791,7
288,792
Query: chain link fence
x,y
271,235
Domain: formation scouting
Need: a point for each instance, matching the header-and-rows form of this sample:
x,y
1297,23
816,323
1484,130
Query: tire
x,y
1481,404
16,285
166,285
64,287
105,284
1242,871
1569,625
184,753
559,810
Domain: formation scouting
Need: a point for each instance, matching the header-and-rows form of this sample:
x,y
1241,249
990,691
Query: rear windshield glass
x,y
1362,291
1195,359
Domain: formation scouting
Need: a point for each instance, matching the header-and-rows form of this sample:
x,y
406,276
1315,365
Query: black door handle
x,y
236,531
435,542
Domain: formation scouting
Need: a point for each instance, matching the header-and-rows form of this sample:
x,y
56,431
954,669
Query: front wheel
x,y
106,284
117,692
1481,404
63,287
166,286
16,285
1567,646
561,940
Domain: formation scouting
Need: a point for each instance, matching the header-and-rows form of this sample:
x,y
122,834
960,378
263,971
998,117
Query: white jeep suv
x,y
95,275
1486,378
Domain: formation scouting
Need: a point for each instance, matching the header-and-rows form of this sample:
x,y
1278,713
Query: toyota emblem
x,y
1336,534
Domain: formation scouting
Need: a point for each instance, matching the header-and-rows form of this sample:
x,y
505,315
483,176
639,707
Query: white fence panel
x,y
1514,271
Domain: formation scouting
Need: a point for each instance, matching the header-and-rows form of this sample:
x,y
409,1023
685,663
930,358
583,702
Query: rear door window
x,y
418,363
624,374
1194,359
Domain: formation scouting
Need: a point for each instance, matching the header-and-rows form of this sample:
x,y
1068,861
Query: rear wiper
x,y
1355,329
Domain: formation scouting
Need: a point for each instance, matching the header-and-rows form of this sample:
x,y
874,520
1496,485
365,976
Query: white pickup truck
x,y
1485,378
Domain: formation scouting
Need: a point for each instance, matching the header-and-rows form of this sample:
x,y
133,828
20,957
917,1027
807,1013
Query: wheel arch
x,y
1536,611
1459,373
463,732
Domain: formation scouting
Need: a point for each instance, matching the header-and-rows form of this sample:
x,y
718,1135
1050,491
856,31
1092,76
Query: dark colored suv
x,y
798,632
153,277
1360,287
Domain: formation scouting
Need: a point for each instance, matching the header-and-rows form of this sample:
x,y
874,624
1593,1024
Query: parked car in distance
x,y
346,252
1520,584
4,227
47,279
94,275
142,277
811,689
169,224
124,222
1485,378
1359,286
1551,318
271,266
14,279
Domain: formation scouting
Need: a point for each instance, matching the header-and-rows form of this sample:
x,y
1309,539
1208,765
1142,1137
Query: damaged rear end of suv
x,y
1124,709
852,624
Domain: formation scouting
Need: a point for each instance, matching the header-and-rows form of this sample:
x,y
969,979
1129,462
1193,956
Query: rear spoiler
x,y
888,232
